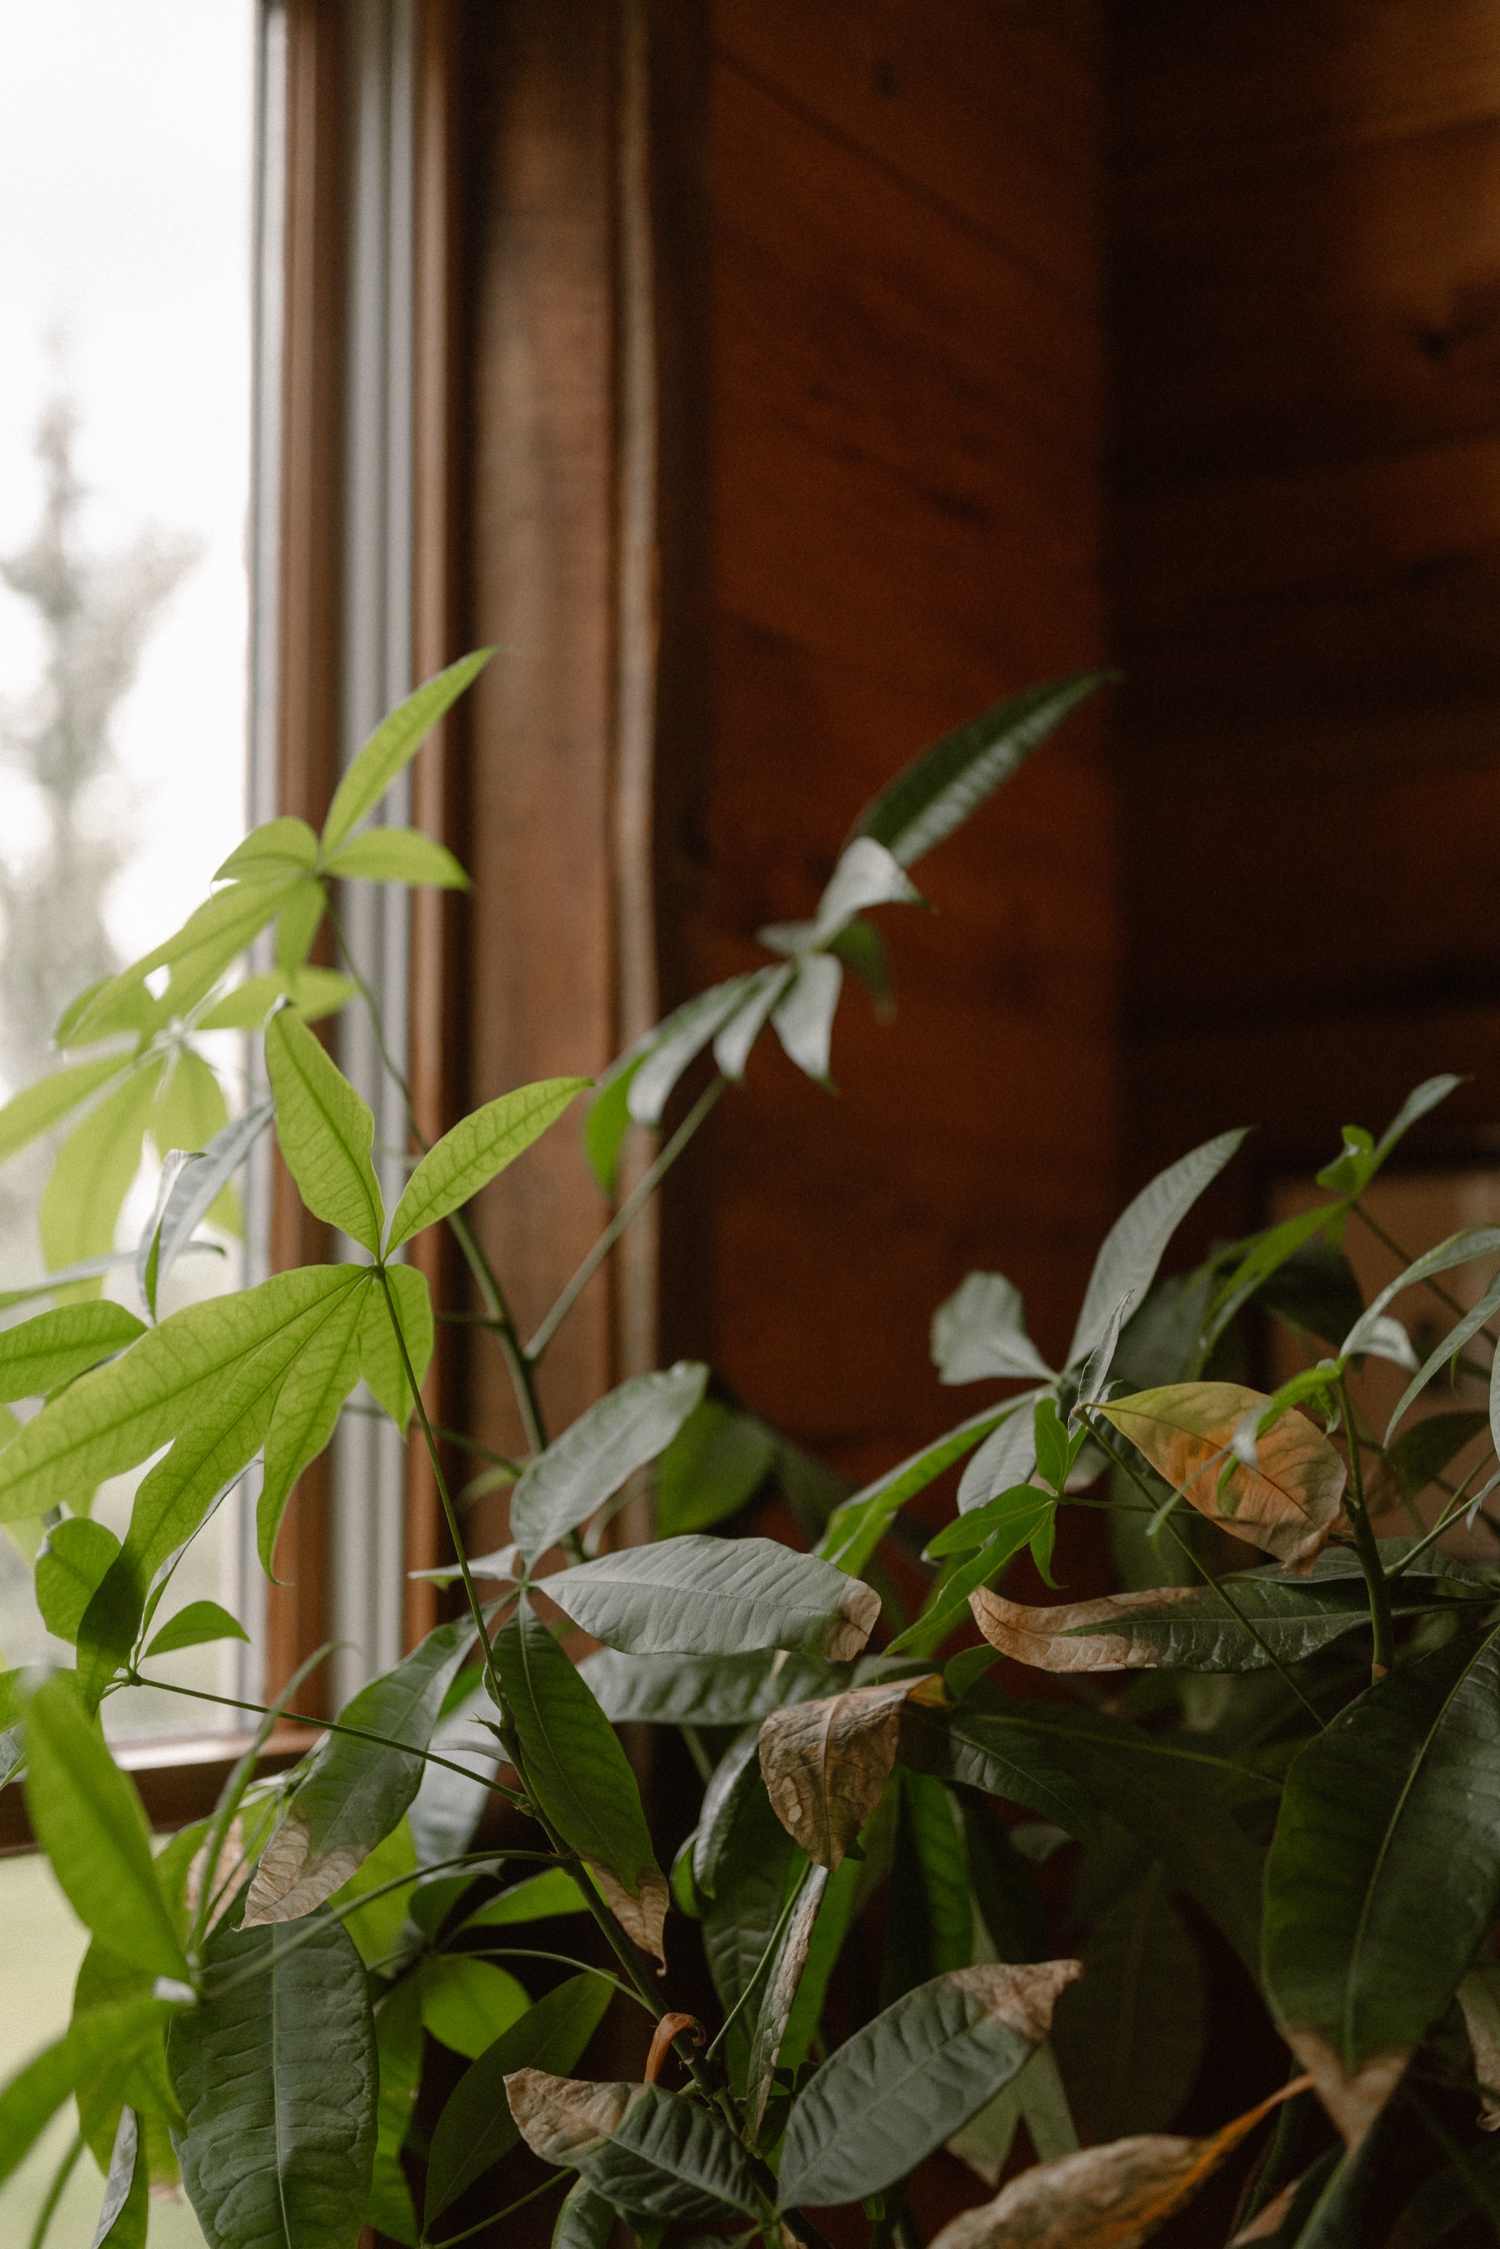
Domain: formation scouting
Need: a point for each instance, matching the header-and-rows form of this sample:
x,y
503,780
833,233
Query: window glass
x,y
125,257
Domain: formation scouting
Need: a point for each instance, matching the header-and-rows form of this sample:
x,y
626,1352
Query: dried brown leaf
x,y
200,1878
1353,2100
562,2118
1040,1636
643,1917
1020,1996
859,1606
1286,1505
1479,1997
288,1884
826,1763
670,2027
1110,2197
776,2004
1269,2221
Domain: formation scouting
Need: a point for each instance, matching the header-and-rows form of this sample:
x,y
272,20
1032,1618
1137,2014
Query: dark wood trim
x,y
179,1781
298,1609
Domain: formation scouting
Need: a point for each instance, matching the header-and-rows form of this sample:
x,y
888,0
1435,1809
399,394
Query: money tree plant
x,y
930,1901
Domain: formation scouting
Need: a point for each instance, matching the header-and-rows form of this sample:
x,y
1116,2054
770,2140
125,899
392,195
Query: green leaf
x,y
1452,1343
190,1106
803,1016
607,1119
37,1108
1459,1249
476,2128
542,1897
712,1468
563,1486
996,1756
69,1571
733,1044
104,2037
939,790
648,2151
1268,1254
126,2207
380,1360
88,1819
716,1596
308,1403
80,1205
585,2221
354,1791
980,1332
858,1526
194,1626
911,2078
197,954
1129,2037
1134,1246
676,1043
313,992
394,744
276,849
326,1132
1006,1459
861,947
398,855
1395,1808
476,1151
276,2073
467,2003
1350,1173
929,1929
704,1690
574,1763
192,1195
866,875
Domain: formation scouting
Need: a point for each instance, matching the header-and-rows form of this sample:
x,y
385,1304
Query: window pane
x,y
125,254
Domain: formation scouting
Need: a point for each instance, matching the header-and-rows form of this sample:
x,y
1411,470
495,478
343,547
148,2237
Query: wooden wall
x,y
1305,331
904,383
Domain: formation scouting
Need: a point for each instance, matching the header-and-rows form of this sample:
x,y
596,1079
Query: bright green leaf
x,y
544,1896
397,855
106,2036
40,1355
476,1151
276,849
393,745
69,1571
326,1132
194,1626
308,1403
381,1361
37,1108
467,2003
80,1205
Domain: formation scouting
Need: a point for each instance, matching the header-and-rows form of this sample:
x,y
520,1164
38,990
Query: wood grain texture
x,y
1305,290
906,435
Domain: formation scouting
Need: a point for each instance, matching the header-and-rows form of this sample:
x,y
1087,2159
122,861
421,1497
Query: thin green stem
x,y
1450,1515
761,1965
60,2178
633,1204
561,1960
1367,1546
1444,1296
450,2240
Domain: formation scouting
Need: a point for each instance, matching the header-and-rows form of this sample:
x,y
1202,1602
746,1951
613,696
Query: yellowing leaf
x,y
1109,2197
561,2118
826,1763
1043,1637
1287,1505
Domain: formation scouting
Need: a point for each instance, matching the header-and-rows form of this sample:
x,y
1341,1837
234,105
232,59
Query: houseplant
x,y
1298,1752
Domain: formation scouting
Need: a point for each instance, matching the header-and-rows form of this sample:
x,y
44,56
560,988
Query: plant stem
x,y
1367,1547
761,1966
1445,1521
633,1204
559,2178
1444,1296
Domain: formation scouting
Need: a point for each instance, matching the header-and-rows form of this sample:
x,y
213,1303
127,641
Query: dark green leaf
x,y
858,1526
1422,1452
276,2073
648,2151
714,1596
476,1151
908,2080
1452,1343
714,1465
69,1571
939,790
736,1776
476,2128
1314,1288
397,855
1129,2036
592,1459
929,1926
393,745
704,1690
194,1626
123,2217
1134,1246
585,2221
997,1756
1394,1808
107,2036
88,1819
325,1130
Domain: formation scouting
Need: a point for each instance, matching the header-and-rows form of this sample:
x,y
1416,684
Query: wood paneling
x,y
905,382
1306,313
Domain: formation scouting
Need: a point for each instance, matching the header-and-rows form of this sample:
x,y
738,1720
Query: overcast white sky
x,y
125,150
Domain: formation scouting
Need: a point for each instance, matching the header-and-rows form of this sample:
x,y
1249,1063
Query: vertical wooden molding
x,y
308,670
435,1035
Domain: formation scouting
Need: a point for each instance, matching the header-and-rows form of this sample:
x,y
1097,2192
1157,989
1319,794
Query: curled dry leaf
x,y
1022,1997
561,2118
200,1877
287,1883
1479,1997
643,1917
670,2027
1109,2197
1042,1637
1353,2098
781,1990
826,1763
1287,1505
1267,2223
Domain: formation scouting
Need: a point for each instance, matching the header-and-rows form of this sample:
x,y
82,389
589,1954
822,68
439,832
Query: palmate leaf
x,y
715,1596
857,1527
326,1132
276,2074
197,955
980,1332
591,1460
1385,1871
309,1400
397,855
40,1355
648,2151
354,1792
1134,1246
88,1819
911,2078
476,2128
393,745
999,1758
476,1151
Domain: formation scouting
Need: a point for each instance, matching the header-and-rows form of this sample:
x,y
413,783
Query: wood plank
x,y
993,111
